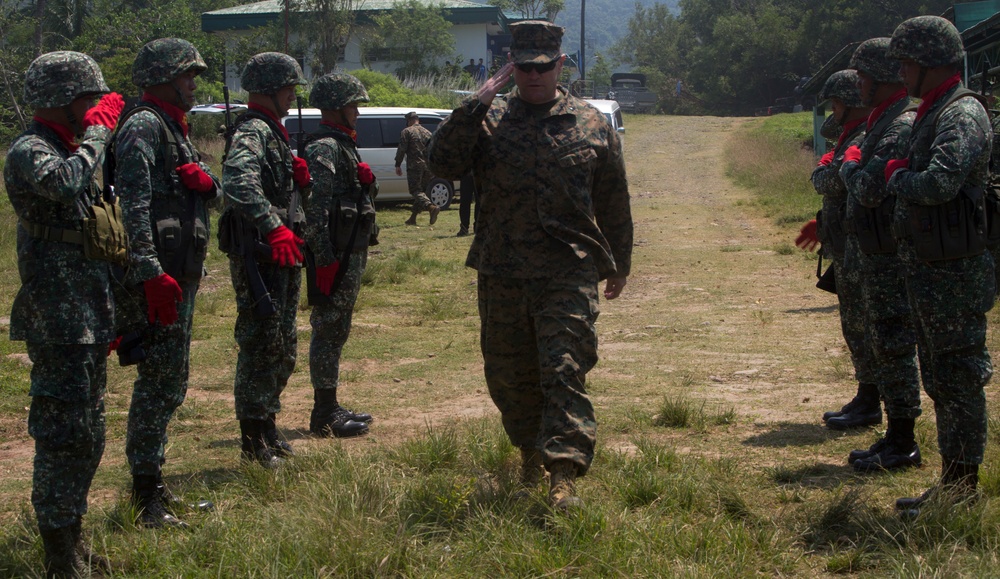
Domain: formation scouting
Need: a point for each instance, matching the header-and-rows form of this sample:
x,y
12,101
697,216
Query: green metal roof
x,y
262,13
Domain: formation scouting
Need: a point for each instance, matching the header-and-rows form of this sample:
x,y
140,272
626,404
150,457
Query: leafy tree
x,y
324,28
418,33
545,9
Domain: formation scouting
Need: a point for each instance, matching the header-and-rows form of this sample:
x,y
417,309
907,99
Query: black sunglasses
x,y
527,67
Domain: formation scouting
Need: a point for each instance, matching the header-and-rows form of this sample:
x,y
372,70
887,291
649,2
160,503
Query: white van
x,y
612,111
378,136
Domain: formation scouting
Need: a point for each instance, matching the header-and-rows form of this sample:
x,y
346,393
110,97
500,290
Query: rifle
x,y
243,241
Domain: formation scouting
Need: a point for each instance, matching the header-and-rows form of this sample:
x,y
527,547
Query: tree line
x,y
734,56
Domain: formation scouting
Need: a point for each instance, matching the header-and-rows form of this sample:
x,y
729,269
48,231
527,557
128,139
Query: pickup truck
x,y
631,92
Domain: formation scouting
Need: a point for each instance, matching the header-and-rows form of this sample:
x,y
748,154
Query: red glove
x,y
300,173
895,165
194,178
807,239
285,246
114,345
162,295
825,159
853,153
365,175
105,112
325,275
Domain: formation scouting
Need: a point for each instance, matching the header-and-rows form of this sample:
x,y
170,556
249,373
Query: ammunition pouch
x,y
830,230
182,247
104,235
233,227
345,218
873,227
951,230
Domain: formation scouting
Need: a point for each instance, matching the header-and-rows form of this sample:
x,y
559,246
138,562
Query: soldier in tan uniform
x,y
554,220
413,143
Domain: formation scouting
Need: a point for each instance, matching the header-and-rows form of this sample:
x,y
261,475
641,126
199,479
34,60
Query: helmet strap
x,y
182,101
274,101
74,123
847,111
920,80
872,91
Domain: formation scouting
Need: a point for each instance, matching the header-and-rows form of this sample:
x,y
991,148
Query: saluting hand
x,y
492,86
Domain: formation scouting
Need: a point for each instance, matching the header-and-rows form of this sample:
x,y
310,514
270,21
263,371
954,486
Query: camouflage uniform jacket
x,y
944,158
257,174
145,193
554,197
826,178
64,297
888,138
333,164
413,142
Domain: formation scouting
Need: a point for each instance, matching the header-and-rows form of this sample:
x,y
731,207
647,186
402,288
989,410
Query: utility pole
x,y
583,39
286,26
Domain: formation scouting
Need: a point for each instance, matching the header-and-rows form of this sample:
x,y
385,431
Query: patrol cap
x,y
411,115
536,41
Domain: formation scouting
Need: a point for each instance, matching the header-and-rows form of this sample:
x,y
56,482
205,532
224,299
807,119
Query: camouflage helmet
x,y
337,90
843,85
872,58
269,72
163,60
56,79
928,40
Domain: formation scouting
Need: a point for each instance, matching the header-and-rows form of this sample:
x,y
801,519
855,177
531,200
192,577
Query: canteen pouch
x,y
951,230
104,235
873,226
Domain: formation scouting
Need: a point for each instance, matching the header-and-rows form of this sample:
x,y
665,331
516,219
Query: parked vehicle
x,y
612,111
631,92
217,108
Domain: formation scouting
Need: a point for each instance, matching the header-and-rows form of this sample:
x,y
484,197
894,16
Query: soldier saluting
x,y
64,309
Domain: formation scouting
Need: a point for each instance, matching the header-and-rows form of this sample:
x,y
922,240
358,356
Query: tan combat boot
x,y
413,218
434,210
562,489
532,470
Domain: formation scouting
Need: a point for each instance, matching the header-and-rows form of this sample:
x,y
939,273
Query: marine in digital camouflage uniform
x,y
413,141
554,220
261,179
842,250
888,321
64,309
164,189
949,153
339,218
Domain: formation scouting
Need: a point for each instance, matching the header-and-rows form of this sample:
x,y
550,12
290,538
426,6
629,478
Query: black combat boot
x,y
278,447
865,392
148,499
61,559
331,419
900,449
253,445
864,410
413,216
90,559
957,485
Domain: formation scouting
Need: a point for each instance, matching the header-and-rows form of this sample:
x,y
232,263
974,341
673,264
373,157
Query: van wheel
x,y
440,192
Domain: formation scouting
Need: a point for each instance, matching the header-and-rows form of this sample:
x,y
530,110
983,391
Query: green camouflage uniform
x,y
148,195
257,176
843,251
949,298
554,219
65,313
333,163
413,142
889,324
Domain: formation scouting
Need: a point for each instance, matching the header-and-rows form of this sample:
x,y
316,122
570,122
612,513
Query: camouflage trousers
x,y
268,346
66,420
418,176
949,300
331,325
890,334
160,386
852,310
538,341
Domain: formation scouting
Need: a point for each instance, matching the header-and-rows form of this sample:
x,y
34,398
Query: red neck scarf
x,y
343,129
65,133
877,112
269,114
931,97
172,111
848,129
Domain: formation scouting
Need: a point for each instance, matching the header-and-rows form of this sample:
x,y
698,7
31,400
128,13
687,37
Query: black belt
x,y
53,233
